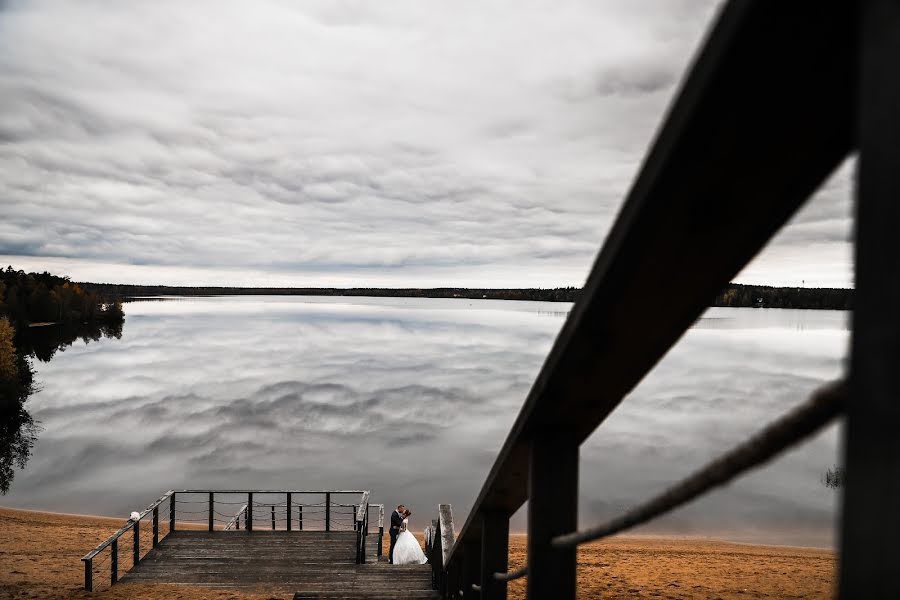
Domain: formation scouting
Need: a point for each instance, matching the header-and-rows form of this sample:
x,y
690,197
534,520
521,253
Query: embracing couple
x,y
405,549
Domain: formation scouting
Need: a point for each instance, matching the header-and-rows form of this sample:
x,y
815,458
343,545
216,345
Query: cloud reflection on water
x,y
412,398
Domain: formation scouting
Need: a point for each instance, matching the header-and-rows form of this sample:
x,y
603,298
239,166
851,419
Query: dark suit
x,y
396,522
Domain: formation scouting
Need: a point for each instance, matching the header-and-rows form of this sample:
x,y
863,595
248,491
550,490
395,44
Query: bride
x,y
407,550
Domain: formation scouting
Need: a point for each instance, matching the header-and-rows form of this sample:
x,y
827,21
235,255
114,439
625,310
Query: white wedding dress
x,y
407,550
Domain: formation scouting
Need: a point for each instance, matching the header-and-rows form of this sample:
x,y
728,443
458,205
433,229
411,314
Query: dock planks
x,y
310,564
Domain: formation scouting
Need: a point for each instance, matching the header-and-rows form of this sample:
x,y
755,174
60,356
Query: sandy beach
x,y
40,558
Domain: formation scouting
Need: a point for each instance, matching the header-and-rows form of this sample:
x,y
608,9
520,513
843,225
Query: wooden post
x,y
869,561
114,562
552,510
300,517
249,518
471,568
172,512
380,530
327,511
155,526
136,529
288,512
494,554
88,575
355,524
273,517
237,520
211,501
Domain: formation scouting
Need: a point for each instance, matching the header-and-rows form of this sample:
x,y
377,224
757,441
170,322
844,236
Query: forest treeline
x,y
27,298
66,312
736,295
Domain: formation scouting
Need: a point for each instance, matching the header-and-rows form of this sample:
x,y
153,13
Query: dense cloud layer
x,y
323,143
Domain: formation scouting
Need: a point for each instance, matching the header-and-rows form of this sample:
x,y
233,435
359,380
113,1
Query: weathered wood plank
x,y
317,564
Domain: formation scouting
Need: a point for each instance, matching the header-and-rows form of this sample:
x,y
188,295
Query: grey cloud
x,y
292,145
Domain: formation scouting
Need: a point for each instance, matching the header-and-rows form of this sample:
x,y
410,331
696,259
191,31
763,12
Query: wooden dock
x,y
299,542
310,564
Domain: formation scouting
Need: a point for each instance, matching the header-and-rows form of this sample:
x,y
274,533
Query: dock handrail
x,y
777,97
235,521
362,527
210,510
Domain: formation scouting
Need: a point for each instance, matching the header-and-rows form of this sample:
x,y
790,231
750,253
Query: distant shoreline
x,y
734,295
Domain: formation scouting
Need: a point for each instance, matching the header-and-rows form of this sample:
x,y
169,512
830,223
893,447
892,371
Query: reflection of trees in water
x,y
18,430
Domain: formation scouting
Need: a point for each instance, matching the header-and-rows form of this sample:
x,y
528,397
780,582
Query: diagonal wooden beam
x,y
763,116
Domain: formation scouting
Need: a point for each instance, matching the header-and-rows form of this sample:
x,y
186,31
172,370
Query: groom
x,y
396,522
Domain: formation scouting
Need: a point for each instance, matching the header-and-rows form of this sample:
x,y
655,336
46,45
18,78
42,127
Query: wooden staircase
x,y
309,564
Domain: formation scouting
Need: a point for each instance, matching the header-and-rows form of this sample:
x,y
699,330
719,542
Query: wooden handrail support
x,y
766,112
362,528
130,524
235,521
439,546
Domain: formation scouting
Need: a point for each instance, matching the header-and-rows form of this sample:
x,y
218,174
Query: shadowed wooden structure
x,y
778,96
275,540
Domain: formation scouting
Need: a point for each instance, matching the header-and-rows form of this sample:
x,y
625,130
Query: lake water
x,y
412,398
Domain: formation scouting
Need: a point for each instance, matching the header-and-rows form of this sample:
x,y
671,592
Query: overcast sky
x,y
347,143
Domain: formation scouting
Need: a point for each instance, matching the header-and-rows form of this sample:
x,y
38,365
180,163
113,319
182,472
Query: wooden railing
x,y
778,96
204,509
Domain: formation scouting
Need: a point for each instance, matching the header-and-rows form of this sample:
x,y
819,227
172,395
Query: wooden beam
x,y
494,554
552,510
763,116
869,559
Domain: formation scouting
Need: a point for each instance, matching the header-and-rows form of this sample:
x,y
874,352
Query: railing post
x,y
869,560
114,562
136,529
288,512
327,511
155,526
494,554
88,574
552,511
380,530
355,524
172,512
273,517
211,501
300,517
471,567
237,521
249,516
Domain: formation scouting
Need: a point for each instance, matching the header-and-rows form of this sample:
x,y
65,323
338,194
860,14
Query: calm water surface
x,y
412,398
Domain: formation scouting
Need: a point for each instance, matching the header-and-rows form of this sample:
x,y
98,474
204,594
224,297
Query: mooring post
x,y
494,554
114,562
155,526
172,512
288,512
300,517
88,574
327,511
136,529
273,517
869,561
211,501
249,517
552,511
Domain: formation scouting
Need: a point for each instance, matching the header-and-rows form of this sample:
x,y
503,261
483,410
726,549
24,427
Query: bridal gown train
x,y
407,550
